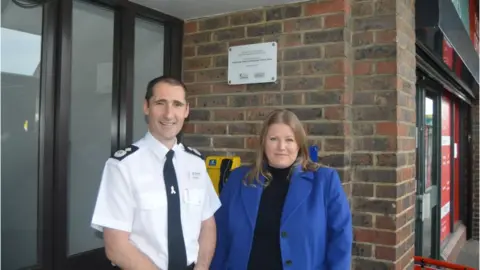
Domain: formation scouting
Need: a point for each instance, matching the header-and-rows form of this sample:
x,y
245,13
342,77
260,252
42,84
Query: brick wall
x,y
475,171
384,117
342,72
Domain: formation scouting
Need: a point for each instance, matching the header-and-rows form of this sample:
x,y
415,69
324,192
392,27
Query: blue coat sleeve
x,y
222,220
339,225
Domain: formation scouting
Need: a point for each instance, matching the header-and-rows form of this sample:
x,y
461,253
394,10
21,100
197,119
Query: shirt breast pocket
x,y
194,196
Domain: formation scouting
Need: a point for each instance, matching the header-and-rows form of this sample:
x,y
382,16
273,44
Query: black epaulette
x,y
193,151
123,153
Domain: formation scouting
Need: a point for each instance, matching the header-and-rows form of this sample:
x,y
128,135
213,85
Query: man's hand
x,y
123,254
207,242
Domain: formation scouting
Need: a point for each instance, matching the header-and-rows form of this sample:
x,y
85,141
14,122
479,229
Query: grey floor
x,y
469,254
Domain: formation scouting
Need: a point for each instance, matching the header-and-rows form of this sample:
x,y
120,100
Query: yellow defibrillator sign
x,y
219,168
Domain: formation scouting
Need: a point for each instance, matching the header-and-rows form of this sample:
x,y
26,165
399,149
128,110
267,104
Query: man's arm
x,y
114,214
123,254
207,242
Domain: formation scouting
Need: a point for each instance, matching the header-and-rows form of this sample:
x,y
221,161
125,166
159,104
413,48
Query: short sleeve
x,y
212,202
114,207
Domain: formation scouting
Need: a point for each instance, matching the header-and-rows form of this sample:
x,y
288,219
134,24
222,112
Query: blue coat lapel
x,y
298,192
251,196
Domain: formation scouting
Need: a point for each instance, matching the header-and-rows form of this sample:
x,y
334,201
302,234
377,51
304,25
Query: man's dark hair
x,y
163,79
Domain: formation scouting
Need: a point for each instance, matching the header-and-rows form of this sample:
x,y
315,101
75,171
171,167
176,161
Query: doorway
x,y
427,168
74,76
443,167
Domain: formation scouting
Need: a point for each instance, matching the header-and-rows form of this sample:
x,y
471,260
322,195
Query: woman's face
x,y
281,148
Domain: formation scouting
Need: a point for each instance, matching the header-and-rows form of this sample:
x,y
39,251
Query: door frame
x,y
466,161
55,115
424,90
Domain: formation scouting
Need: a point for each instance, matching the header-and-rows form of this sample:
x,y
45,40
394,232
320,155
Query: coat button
x,y
288,262
284,234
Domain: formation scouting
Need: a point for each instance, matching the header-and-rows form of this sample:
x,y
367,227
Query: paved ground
x,y
469,254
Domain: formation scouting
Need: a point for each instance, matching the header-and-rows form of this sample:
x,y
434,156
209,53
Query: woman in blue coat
x,y
284,211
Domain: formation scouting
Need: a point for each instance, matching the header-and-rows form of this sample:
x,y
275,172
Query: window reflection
x,y
20,52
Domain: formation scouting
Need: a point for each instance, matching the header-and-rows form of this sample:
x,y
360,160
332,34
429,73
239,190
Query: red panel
x,y
474,24
458,65
445,169
448,54
456,162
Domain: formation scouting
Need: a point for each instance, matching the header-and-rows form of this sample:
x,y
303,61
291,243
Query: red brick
x,y
385,36
222,88
324,7
211,129
336,20
334,113
189,51
406,173
335,82
363,68
229,115
387,128
252,142
385,253
190,27
188,128
198,89
375,236
389,67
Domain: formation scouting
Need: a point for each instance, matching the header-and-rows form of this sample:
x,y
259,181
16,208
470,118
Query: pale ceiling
x,y
192,9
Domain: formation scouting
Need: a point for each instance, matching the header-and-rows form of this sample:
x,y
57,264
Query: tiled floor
x,y
469,254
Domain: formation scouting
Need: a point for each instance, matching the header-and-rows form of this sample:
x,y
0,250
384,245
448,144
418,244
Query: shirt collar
x,y
159,148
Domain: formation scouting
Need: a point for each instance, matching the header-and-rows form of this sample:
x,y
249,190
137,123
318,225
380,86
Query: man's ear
x,y
187,108
145,107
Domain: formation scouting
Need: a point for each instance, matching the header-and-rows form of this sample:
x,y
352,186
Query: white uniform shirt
x,y
132,197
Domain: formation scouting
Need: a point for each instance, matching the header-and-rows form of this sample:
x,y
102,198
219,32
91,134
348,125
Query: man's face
x,y
166,111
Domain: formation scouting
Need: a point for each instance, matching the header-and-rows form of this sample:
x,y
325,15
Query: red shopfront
x,y
445,94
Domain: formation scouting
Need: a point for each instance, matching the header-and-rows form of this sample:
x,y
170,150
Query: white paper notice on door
x,y
455,150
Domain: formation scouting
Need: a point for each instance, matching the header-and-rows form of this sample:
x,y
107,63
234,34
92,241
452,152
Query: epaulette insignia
x,y
194,152
123,153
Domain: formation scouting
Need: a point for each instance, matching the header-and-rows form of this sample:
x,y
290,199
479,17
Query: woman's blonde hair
x,y
280,116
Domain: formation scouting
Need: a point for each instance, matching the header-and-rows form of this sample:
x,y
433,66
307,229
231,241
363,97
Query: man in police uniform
x,y
156,202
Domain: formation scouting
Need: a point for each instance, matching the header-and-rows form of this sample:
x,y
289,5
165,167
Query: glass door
x,y
21,55
89,129
427,171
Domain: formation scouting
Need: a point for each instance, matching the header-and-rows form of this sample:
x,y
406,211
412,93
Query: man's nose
x,y
168,111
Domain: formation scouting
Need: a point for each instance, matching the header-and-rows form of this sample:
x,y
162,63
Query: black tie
x,y
177,255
